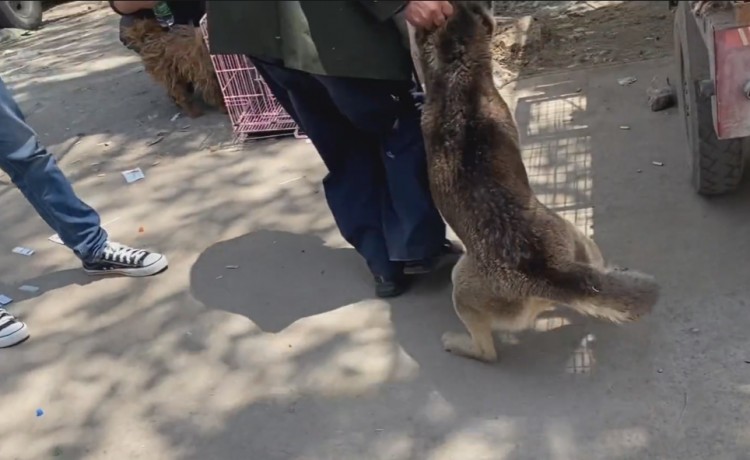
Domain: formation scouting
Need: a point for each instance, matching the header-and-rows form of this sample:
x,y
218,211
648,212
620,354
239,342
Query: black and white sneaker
x,y
118,259
12,331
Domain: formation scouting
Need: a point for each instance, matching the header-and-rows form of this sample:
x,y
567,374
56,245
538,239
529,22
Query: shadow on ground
x,y
314,278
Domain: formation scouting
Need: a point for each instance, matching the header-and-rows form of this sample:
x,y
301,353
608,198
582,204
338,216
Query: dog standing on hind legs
x,y
521,258
180,61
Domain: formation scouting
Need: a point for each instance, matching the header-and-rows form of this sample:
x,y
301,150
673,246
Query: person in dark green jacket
x,y
341,70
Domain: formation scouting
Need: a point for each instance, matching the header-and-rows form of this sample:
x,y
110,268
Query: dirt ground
x,y
538,37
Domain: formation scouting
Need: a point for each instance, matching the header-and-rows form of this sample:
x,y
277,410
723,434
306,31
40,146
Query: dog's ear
x,y
483,10
479,10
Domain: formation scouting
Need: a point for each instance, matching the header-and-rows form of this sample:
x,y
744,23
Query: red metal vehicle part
x,y
732,81
726,33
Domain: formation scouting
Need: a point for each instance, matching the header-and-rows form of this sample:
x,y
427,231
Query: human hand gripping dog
x,y
428,14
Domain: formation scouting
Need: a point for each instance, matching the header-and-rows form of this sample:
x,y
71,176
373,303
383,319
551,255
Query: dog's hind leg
x,y
179,91
586,250
468,300
479,344
593,253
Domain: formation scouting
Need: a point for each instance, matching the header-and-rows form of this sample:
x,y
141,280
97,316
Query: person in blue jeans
x,y
36,174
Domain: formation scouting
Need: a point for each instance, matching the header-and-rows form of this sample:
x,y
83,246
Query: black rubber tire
x,y
716,164
25,15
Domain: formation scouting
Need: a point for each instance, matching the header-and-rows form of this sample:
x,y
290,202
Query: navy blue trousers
x,y
369,136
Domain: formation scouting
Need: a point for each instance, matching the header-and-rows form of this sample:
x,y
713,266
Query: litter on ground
x,y
661,96
133,175
155,140
23,251
291,180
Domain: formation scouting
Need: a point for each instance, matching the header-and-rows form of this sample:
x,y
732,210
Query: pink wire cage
x,y
253,110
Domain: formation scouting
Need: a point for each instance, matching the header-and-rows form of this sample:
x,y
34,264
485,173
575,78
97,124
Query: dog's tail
x,y
616,295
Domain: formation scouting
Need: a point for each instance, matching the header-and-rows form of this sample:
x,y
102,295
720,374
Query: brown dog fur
x,y
521,258
177,58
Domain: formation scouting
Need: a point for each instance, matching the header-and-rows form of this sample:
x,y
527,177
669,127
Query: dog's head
x,y
143,30
465,36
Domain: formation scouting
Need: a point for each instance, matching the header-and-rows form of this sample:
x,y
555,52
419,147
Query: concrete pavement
x,y
289,356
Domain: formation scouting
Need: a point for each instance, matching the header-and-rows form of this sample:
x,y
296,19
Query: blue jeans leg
x,y
36,174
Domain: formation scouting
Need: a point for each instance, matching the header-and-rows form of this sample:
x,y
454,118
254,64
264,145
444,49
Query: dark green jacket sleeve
x,y
383,10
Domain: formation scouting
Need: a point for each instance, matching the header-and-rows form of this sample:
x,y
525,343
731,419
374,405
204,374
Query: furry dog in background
x,y
179,60
521,257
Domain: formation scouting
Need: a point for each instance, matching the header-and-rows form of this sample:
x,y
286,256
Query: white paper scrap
x,y
133,175
23,251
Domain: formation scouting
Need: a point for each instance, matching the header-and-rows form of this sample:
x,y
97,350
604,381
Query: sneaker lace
x,y
124,254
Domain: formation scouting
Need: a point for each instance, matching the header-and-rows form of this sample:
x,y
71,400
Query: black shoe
x,y
389,287
123,260
449,250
